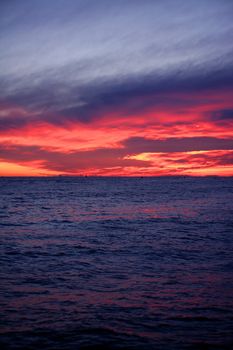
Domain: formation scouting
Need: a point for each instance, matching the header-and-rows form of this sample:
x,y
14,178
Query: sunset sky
x,y
125,87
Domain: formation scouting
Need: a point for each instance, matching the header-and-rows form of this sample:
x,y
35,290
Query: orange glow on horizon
x,y
195,163
111,129
12,169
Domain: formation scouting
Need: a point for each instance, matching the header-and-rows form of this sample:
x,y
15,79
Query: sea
x,y
116,263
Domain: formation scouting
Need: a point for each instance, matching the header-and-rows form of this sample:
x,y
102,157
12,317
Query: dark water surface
x,y
116,263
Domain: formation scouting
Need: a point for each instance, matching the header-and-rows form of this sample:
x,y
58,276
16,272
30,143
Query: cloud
x,y
67,162
128,69
7,123
222,115
136,145
70,162
189,163
58,102
113,62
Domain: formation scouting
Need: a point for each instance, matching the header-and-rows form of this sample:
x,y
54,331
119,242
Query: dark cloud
x,y
68,162
226,160
207,159
222,115
15,122
136,145
60,102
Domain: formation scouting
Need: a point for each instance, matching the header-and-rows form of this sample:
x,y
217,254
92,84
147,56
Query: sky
x,y
108,88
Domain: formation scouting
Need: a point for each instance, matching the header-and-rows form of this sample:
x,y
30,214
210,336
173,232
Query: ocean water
x,y
116,263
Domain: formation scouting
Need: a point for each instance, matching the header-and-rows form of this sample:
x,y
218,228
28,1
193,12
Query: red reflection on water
x,y
130,212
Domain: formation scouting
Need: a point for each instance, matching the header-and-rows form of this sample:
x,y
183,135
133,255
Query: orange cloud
x,y
94,147
195,163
